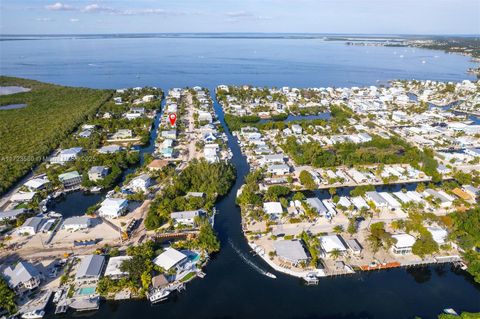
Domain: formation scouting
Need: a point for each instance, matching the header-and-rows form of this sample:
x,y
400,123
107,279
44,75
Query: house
x,y
290,251
96,173
205,117
445,201
375,197
273,209
159,281
331,243
22,197
23,277
70,179
273,159
403,245
110,149
460,193
113,207
11,214
472,191
359,203
66,155
30,226
171,134
317,205
170,258
280,169
76,223
296,129
439,235
113,267
122,134
157,164
392,203
85,134
354,246
475,152
90,269
141,183
37,184
186,217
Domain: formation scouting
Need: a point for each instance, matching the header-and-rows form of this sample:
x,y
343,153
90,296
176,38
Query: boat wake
x,y
249,262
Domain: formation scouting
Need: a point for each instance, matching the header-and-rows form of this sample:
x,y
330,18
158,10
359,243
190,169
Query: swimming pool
x,y
85,291
194,257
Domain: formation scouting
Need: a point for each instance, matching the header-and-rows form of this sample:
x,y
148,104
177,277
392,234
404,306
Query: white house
x,y
141,183
186,217
90,269
113,207
331,243
110,149
37,184
66,155
24,276
113,267
273,209
76,223
96,173
170,258
403,245
439,235
281,169
30,226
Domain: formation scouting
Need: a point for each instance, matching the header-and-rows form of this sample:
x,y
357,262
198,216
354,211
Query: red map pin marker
x,y
173,118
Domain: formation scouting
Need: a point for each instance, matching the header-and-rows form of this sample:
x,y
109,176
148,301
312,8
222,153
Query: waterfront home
x,y
273,209
76,223
359,203
297,129
290,251
159,281
70,179
354,246
330,243
113,207
170,258
475,152
205,117
37,184
445,200
186,217
403,197
85,134
96,173
317,205
210,154
90,269
171,134
375,197
272,159
113,267
66,155
460,193
23,277
12,214
281,169
392,203
140,183
439,235
403,245
122,134
110,149
30,226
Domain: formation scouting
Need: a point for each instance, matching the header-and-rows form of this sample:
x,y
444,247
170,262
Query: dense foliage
x,y
379,237
7,298
212,179
31,133
466,232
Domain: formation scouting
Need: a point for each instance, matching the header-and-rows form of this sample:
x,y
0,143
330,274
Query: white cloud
x,y
58,6
73,20
97,8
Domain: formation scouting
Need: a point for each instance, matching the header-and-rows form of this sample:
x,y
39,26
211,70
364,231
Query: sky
x,y
282,16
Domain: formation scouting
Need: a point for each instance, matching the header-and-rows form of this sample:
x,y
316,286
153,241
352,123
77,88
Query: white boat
x,y
54,214
57,296
159,295
269,274
34,314
95,189
450,311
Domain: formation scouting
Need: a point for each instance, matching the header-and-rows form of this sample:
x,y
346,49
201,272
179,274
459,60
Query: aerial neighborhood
x,y
340,180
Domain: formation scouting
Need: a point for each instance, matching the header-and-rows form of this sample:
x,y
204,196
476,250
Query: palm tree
x,y
338,229
335,253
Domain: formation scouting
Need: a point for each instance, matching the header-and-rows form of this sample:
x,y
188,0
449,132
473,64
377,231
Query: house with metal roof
x,y
76,223
186,217
403,244
170,258
317,205
23,277
90,269
291,251
113,267
70,179
11,214
96,173
375,197
30,226
113,207
330,243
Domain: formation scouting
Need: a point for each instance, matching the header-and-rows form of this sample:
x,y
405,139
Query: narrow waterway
x,y
235,289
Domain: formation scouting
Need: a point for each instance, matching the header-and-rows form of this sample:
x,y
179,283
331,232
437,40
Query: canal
x,y
234,289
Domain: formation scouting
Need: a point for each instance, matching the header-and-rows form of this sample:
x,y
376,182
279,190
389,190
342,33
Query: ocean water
x,y
105,62
232,288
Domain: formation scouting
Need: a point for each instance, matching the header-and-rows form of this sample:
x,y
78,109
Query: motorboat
x,y
34,314
159,295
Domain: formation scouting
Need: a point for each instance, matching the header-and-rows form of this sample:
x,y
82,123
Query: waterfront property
x,y
89,269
